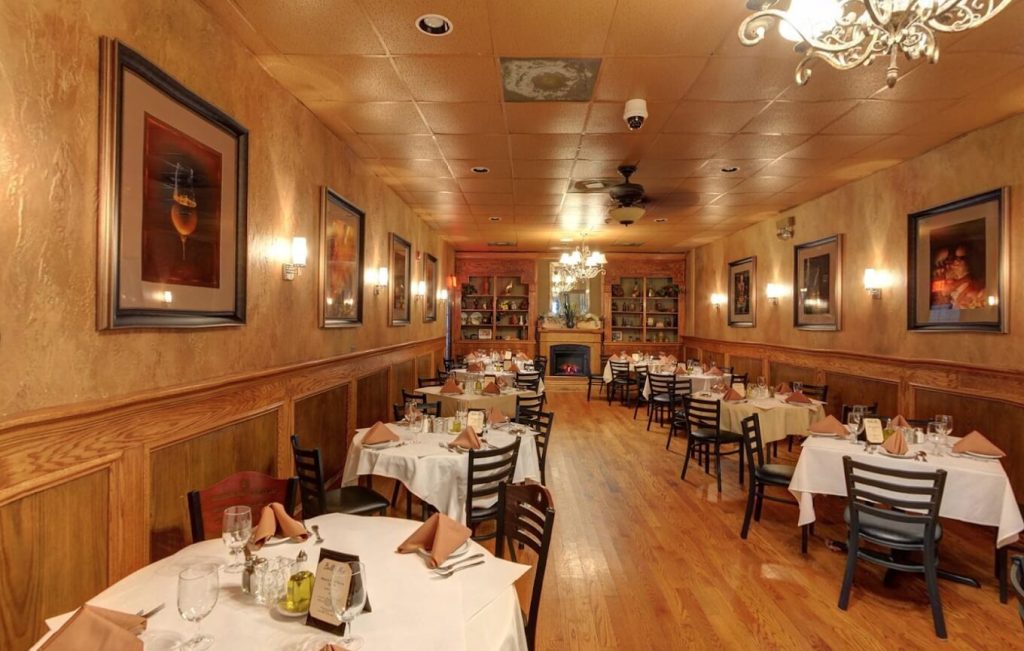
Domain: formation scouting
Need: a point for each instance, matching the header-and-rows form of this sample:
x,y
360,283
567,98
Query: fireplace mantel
x,y
591,338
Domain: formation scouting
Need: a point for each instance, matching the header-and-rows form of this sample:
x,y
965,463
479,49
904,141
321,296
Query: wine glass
x,y
945,428
798,387
854,422
935,437
235,531
198,586
348,597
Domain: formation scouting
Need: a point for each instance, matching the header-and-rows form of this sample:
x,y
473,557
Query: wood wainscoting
x,y
984,399
92,492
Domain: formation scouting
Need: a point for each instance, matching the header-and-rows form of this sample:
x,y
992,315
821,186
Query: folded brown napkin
x,y
439,535
93,627
495,416
784,388
492,388
976,442
451,387
900,421
379,433
501,382
896,444
829,425
334,647
682,370
275,521
514,368
475,367
714,370
468,439
732,395
798,397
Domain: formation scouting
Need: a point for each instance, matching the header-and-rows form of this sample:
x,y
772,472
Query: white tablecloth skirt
x,y
777,418
698,383
506,402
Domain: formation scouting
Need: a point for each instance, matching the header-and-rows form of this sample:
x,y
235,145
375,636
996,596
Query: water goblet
x,y
348,598
854,422
236,527
945,428
198,587
935,437
798,387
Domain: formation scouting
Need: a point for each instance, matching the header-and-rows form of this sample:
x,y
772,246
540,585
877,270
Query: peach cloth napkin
x,y
900,421
514,368
93,627
274,520
439,535
829,425
896,444
495,416
976,442
333,647
732,395
784,388
501,382
797,397
468,439
451,387
379,433
492,388
474,367
715,371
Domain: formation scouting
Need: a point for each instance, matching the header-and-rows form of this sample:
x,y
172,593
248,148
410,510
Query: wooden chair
x,y
488,469
597,378
665,397
1017,577
899,510
413,396
705,435
621,380
528,406
542,422
246,488
526,518
430,382
684,387
816,391
763,475
317,500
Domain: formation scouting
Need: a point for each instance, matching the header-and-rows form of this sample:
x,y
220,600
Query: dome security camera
x,y
635,113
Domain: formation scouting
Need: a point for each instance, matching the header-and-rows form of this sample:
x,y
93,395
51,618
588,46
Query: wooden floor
x,y
643,560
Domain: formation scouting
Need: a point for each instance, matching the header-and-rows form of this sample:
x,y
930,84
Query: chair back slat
x,y
740,378
816,391
542,422
412,395
704,414
848,409
528,406
900,496
488,469
751,429
310,470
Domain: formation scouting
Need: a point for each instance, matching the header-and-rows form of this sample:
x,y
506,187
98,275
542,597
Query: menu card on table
x,y
321,609
873,431
475,419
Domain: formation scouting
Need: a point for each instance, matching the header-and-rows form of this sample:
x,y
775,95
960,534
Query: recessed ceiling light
x,y
479,170
494,219
730,169
434,25
661,220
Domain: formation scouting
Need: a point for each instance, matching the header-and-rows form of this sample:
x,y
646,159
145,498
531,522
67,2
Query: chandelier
x,y
562,282
850,33
583,263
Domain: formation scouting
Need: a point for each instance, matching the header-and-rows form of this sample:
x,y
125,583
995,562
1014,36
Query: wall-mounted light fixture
x,y
419,290
785,228
442,294
166,297
718,300
774,292
377,278
299,253
875,280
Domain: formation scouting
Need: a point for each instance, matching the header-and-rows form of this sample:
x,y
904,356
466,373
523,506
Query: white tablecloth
x,y
506,401
510,378
698,383
977,491
777,417
434,474
412,609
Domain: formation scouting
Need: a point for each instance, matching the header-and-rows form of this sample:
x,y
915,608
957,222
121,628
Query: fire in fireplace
x,y
569,360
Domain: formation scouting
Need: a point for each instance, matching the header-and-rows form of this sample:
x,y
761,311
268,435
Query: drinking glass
x,y
348,597
935,437
945,422
198,586
235,531
798,387
854,422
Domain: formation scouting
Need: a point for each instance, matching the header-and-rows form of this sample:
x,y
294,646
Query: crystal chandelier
x,y
583,263
562,281
850,33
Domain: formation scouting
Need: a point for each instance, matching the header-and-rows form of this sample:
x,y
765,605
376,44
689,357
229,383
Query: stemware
x,y
348,597
945,428
236,528
854,422
798,387
198,586
935,437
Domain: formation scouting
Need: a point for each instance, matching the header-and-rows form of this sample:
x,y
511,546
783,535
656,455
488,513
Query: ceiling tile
x,y
529,146
489,199
546,117
450,78
710,184
416,168
735,79
692,28
463,117
624,147
407,146
378,117
606,117
527,198
540,28
756,145
655,79
437,199
816,186
491,210
542,169
699,145
469,146
540,186
875,116
312,27
954,76
595,169
1001,33
660,168
484,185
832,146
687,199
743,199
342,78
797,117
395,22
762,183
412,185
712,117
715,167
463,168
537,211
829,84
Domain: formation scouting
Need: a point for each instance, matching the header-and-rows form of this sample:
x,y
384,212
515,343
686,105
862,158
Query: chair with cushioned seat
x,y
898,510
704,418
621,380
763,475
488,469
741,379
246,488
684,387
317,500
664,399
542,422
597,378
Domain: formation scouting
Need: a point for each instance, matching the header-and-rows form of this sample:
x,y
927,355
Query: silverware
x,y
444,574
316,532
146,614
445,568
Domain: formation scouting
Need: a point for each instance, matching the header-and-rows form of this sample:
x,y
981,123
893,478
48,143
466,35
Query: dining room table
x,y
777,418
411,607
462,375
431,469
699,382
472,399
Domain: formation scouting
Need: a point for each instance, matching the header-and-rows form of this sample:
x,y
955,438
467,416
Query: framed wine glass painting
x,y
742,281
173,167
400,285
818,284
430,283
341,261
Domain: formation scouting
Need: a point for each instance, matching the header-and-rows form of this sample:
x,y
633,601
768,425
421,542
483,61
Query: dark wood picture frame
x,y
342,249
818,284
430,281
154,134
742,308
399,281
946,245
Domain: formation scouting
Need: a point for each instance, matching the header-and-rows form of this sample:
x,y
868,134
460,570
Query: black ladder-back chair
x,y
430,382
897,509
684,387
1017,578
540,364
763,475
527,518
705,434
542,422
740,378
816,392
528,381
621,379
488,469
528,406
449,364
412,395
597,378
641,382
317,500
848,409
726,370
664,399
429,408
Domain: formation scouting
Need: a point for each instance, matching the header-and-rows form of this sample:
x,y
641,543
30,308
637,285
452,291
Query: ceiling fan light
x,y
627,214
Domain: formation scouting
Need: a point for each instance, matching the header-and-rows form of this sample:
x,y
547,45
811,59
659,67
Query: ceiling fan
x,y
628,198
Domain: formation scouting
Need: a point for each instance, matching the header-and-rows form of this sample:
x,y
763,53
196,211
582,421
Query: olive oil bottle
x,y
300,587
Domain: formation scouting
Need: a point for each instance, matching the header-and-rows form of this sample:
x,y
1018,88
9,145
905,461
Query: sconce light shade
x,y
442,294
421,289
378,278
774,292
718,300
875,280
298,256
167,297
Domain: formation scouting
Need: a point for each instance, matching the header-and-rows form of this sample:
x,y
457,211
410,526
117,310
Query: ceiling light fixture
x,y
660,220
479,170
850,33
562,280
582,262
731,169
434,25
494,219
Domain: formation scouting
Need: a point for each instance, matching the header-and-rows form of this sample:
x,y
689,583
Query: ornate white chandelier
x,y
562,281
582,263
851,33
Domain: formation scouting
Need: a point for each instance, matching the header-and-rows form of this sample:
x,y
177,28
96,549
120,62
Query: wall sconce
x,y
875,280
718,300
774,292
166,297
378,278
419,290
298,259
785,228
442,294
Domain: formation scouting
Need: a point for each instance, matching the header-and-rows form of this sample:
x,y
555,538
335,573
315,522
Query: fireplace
x,y
569,360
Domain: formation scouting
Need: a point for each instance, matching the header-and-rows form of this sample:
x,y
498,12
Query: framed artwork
x,y
173,167
399,288
742,281
818,284
958,265
430,280
342,228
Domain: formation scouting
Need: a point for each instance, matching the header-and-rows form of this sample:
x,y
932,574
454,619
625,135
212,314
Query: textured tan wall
x,y
50,351
872,215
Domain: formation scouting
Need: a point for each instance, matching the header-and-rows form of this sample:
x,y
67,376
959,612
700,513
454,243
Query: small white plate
x,y
379,446
287,613
981,455
461,551
908,455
